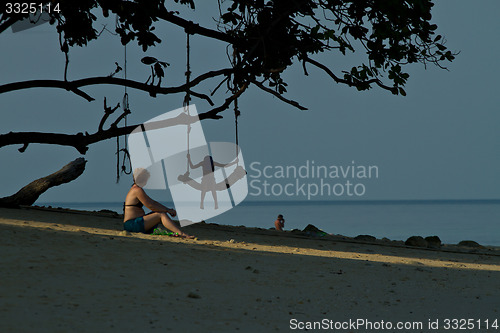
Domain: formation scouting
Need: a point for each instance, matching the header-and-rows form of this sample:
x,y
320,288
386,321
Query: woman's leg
x,y
203,192
153,219
214,195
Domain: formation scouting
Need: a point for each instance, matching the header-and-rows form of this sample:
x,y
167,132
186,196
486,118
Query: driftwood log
x,y
30,193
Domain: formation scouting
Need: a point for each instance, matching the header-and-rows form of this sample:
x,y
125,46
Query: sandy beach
x,y
79,272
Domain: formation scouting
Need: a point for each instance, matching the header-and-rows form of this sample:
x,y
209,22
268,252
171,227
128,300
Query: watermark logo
x,y
205,179
310,180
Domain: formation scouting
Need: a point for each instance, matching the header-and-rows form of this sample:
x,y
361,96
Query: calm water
x,y
452,221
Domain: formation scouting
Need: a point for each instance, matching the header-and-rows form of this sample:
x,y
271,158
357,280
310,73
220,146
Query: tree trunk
x,y
30,193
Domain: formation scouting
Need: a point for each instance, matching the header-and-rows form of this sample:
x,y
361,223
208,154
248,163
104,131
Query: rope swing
x,y
236,115
237,112
187,98
206,184
126,111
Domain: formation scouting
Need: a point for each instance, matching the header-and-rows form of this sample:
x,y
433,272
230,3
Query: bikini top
x,y
139,204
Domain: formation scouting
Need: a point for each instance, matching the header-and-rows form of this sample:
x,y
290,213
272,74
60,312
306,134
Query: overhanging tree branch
x,y
289,101
348,82
214,113
194,28
81,141
74,86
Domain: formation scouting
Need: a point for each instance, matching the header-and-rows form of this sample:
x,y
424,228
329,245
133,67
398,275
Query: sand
x,y
72,272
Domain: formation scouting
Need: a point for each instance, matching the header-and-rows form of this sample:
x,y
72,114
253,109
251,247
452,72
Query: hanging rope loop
x,y
126,111
125,104
126,156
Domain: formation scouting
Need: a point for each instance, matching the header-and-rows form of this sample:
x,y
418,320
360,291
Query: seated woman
x,y
135,220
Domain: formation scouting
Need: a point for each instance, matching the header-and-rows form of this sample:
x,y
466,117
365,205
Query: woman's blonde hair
x,y
141,175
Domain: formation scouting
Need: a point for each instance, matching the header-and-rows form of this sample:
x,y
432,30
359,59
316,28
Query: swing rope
x,y
236,115
237,112
237,173
187,98
126,111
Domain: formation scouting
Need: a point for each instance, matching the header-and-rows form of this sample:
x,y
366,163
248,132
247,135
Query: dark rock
x,y
416,241
433,242
469,243
108,212
311,228
366,238
312,231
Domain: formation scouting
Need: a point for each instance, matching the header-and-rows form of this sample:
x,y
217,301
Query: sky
x,y
441,141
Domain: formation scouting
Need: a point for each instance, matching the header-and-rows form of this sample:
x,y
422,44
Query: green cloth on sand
x,y
159,231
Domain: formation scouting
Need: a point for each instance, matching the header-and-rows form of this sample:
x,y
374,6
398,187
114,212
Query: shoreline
x,y
452,223
337,237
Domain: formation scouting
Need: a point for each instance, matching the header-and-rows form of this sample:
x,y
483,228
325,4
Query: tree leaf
x,y
158,70
148,60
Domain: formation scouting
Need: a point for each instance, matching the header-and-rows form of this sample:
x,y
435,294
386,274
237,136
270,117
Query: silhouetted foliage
x,y
266,38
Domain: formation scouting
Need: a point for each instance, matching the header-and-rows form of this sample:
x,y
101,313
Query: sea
x,y
451,220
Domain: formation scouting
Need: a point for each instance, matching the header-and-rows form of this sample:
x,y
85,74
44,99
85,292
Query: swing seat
x,y
190,181
236,175
184,178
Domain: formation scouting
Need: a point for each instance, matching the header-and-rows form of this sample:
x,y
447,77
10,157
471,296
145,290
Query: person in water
x,y
208,180
135,220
